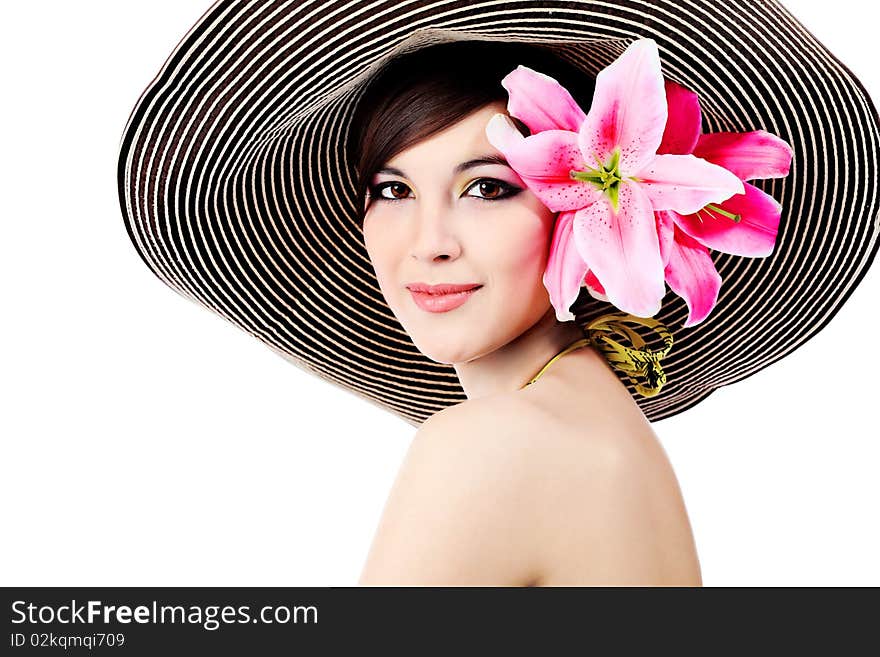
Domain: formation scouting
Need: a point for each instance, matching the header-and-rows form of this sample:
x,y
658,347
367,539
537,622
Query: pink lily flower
x,y
602,173
745,224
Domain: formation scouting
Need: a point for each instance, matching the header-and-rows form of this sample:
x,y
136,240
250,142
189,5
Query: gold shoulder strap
x,y
634,361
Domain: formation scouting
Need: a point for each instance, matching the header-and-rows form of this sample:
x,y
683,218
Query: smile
x,y
441,303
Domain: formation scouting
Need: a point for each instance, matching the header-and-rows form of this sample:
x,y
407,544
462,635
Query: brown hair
x,y
420,94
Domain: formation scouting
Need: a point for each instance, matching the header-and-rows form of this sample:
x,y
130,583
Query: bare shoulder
x,y
508,490
502,416
594,484
453,515
612,511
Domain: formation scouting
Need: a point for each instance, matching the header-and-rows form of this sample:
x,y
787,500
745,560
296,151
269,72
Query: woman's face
x,y
440,213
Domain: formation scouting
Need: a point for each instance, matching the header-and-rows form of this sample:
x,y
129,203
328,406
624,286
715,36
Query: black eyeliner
x,y
375,191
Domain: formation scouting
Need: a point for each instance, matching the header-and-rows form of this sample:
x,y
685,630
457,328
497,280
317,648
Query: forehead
x,y
464,139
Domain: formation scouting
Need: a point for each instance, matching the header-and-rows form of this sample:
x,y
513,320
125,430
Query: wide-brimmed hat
x,y
238,192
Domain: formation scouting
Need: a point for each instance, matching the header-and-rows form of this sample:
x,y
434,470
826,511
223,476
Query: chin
x,y
446,339
445,355
452,350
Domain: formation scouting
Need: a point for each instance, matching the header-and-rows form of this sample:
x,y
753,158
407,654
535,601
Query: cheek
x,y
525,252
382,251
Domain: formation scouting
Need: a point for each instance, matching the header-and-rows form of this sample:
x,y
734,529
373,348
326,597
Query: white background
x,y
145,441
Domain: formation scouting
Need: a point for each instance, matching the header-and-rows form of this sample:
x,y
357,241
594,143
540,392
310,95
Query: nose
x,y
435,237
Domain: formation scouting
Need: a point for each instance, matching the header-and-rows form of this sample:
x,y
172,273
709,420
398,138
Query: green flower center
x,y
606,177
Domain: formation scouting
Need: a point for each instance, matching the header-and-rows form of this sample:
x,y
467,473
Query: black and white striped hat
x,y
237,192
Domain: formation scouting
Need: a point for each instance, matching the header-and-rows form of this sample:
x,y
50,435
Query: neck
x,y
509,367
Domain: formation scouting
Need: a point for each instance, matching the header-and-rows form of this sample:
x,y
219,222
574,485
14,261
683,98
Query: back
x,y
506,491
452,515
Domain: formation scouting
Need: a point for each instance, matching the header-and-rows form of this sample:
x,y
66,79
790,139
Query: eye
x,y
397,191
492,190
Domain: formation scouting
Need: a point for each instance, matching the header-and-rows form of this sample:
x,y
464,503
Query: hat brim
x,y
237,193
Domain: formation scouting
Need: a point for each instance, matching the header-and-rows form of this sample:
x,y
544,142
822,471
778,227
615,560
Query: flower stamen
x,y
607,177
736,218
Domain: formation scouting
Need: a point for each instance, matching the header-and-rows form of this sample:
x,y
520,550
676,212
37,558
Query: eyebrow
x,y
459,168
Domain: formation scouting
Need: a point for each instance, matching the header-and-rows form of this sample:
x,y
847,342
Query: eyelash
x,y
508,190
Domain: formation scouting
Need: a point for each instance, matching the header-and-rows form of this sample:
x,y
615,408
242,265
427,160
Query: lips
x,y
441,298
442,288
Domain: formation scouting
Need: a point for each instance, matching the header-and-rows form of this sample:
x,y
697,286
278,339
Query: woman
x,y
560,482
299,168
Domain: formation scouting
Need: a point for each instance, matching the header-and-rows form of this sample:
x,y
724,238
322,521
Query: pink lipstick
x,y
441,298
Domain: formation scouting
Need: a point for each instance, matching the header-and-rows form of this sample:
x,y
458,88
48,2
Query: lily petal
x,y
691,274
503,134
749,155
665,233
685,183
623,251
541,102
754,235
594,287
628,110
544,161
685,120
565,268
